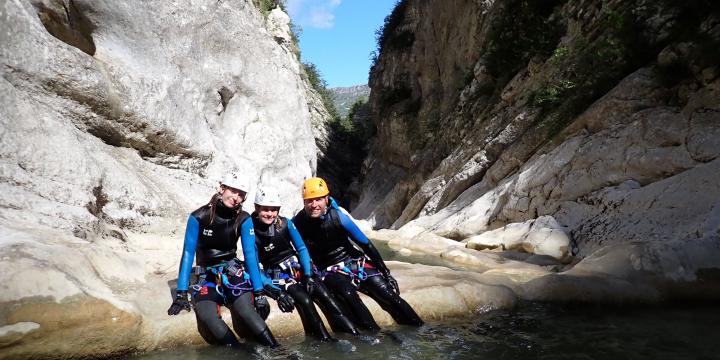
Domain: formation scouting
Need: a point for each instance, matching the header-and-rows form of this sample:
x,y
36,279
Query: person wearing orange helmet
x,y
329,234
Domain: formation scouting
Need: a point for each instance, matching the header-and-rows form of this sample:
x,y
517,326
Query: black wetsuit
x,y
214,245
328,241
281,251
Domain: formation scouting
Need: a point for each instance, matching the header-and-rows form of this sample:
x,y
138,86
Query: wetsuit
x,y
222,280
285,259
344,268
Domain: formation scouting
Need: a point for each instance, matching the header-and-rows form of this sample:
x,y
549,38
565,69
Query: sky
x,y
338,36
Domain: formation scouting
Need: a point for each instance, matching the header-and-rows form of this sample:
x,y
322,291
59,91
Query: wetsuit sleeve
x,y
353,230
266,281
359,238
247,236
302,251
192,230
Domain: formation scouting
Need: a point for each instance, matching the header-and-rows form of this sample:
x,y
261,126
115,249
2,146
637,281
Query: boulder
x,y
542,236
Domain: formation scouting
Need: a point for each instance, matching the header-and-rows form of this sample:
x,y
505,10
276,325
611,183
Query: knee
x,y
303,301
391,299
347,291
245,312
206,312
208,319
350,294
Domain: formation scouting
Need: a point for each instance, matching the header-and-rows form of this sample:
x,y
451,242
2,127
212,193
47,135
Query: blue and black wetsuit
x,y
346,269
212,241
285,259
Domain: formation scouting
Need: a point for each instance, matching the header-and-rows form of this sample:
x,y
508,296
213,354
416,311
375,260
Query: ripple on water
x,y
531,331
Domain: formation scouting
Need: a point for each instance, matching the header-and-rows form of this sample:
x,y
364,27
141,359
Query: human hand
x,y
180,303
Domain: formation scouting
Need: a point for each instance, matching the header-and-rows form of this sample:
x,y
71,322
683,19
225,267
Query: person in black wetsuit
x,y
211,237
327,230
274,242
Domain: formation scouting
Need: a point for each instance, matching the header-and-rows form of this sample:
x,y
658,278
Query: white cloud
x,y
313,13
294,7
321,18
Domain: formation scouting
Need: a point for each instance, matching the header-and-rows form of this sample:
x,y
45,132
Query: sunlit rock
x,y
117,120
453,252
542,236
481,151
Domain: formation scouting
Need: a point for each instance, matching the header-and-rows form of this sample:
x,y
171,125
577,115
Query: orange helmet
x,y
314,188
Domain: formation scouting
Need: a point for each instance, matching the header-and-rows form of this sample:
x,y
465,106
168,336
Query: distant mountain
x,y
344,97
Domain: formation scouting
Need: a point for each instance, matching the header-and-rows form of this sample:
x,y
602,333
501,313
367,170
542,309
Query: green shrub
x,y
394,95
265,6
559,54
320,85
355,132
387,36
521,30
552,94
591,64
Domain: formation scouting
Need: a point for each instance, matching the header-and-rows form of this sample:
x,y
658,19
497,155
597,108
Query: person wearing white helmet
x,y
211,239
273,241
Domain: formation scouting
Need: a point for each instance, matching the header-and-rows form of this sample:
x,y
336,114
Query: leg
x,y
377,288
346,292
211,326
333,310
243,312
312,323
241,329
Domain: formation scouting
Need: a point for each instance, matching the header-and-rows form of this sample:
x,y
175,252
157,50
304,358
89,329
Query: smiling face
x,y
231,197
267,214
315,207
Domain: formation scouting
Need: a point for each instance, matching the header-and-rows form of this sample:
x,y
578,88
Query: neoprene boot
x,y
323,335
266,338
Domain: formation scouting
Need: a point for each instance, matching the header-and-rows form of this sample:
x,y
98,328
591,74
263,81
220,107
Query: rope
x,y
353,268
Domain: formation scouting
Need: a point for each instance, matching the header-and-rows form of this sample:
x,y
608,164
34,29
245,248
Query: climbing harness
x,y
353,268
285,273
219,274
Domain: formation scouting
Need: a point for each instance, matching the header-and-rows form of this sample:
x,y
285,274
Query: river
x,y
530,331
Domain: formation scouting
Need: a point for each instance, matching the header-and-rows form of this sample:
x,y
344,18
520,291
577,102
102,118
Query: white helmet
x,y
236,181
266,196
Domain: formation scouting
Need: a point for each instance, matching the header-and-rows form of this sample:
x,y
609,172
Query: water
x,y
389,253
530,331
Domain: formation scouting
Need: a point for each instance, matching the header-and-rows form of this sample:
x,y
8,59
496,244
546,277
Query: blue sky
x,y
339,35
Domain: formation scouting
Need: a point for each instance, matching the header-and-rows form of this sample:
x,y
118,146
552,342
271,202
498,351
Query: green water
x,y
531,331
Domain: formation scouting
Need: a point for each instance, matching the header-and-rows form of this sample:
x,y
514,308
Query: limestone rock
x,y
180,115
492,124
117,120
542,236
135,318
278,24
452,252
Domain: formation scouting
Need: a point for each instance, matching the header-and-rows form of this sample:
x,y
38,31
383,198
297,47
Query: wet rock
x,y
76,327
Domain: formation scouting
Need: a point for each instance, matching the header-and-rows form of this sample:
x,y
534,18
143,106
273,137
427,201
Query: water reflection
x,y
531,331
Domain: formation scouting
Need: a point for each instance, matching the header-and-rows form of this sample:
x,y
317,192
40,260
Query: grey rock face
x,y
607,124
162,93
117,120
